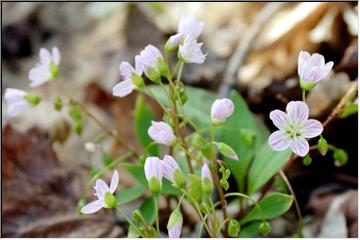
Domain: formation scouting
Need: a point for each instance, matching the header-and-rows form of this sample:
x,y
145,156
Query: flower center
x,y
293,130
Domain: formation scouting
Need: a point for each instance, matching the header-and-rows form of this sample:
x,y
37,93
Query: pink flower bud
x,y
169,167
154,173
205,172
173,42
221,109
312,68
162,133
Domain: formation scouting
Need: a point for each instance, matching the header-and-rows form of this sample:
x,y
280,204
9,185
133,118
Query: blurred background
x,y
252,47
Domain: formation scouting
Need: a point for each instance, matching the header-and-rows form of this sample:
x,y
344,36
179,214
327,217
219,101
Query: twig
x,y
244,46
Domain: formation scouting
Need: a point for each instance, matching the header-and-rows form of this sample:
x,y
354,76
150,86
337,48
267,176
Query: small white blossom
x,y
16,101
190,51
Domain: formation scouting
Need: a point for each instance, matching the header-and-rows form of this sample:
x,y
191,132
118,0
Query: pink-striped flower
x,y
175,224
47,68
162,133
105,196
128,74
154,173
190,51
189,26
221,109
294,126
148,58
172,171
312,68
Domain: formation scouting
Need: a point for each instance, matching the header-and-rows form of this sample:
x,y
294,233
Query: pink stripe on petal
x,y
299,146
279,118
92,207
278,140
312,128
298,111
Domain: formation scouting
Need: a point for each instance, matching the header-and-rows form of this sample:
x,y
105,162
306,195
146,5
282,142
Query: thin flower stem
x,y
157,214
217,181
128,220
304,95
249,198
181,198
298,211
156,99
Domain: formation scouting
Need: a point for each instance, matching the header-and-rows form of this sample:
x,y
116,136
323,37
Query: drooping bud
x,y
226,150
233,228
147,61
340,157
162,133
175,224
322,146
32,99
220,110
307,160
206,180
172,172
173,42
154,173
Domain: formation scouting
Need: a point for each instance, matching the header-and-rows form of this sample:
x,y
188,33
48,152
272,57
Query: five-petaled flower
x,y
47,69
130,77
294,126
105,196
190,51
312,69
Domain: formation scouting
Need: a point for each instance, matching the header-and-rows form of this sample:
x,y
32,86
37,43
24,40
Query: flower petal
x,y
123,88
279,141
279,118
16,108
92,207
302,62
39,75
175,231
114,181
299,146
101,188
45,56
312,128
313,74
326,69
56,55
297,111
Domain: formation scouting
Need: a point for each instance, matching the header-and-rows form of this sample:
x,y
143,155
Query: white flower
x,y
221,109
312,68
16,101
47,68
104,193
189,26
126,86
190,51
294,126
148,58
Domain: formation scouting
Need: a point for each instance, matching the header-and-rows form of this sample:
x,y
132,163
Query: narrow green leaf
x,y
143,116
250,230
148,209
273,206
129,195
266,164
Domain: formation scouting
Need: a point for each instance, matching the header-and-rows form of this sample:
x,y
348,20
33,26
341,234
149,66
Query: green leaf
x,y
143,116
231,133
148,209
196,108
129,195
107,159
266,164
273,206
137,171
250,230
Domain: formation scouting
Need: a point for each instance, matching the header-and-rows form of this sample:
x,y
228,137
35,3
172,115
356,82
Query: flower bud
x,y
78,127
307,160
162,133
220,110
206,180
109,200
233,228
265,228
75,111
224,184
154,173
172,172
226,150
340,157
163,67
32,99
175,224
58,104
54,71
322,146
147,61
153,75
173,42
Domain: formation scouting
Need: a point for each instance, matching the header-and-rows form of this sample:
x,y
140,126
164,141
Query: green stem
x,y
128,220
298,211
304,95
157,214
